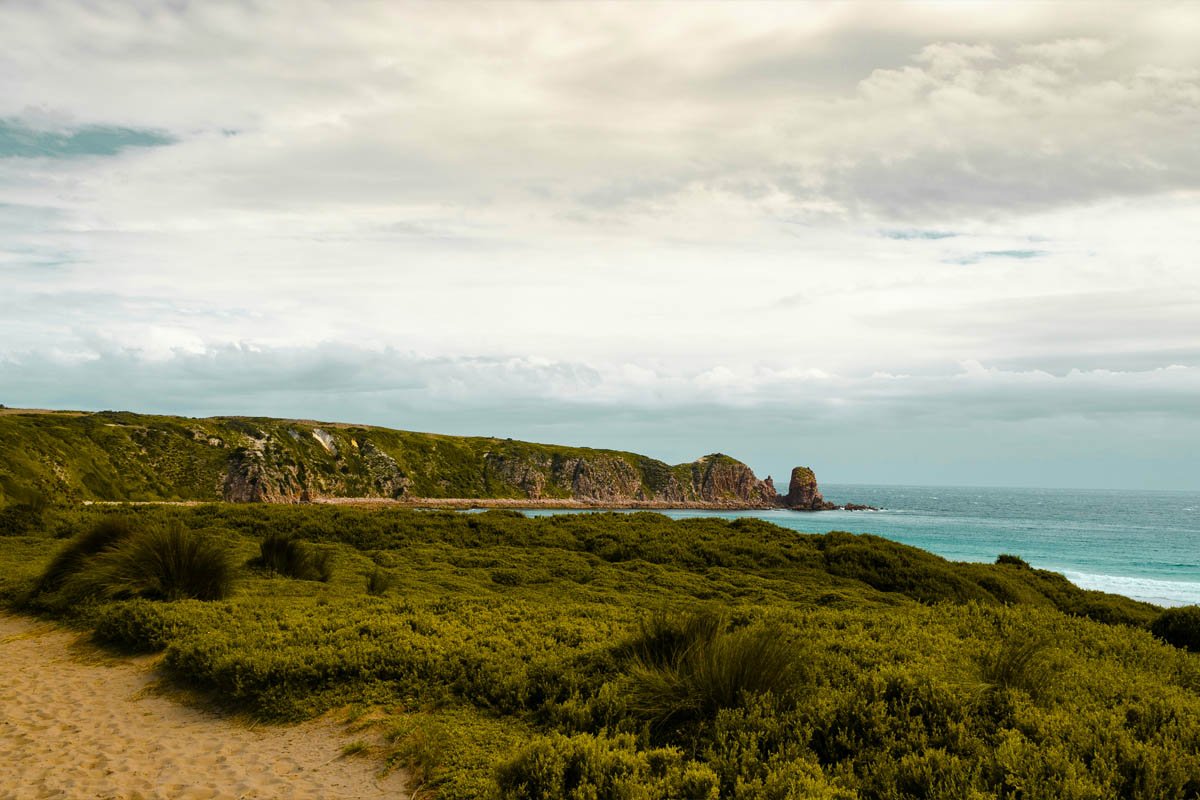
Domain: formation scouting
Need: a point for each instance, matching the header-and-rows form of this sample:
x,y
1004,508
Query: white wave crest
x,y
1163,593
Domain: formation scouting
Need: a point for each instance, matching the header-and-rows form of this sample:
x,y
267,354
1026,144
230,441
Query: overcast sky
x,y
901,243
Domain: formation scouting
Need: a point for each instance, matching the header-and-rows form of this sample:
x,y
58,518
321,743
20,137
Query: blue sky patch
x,y
907,235
20,141
975,258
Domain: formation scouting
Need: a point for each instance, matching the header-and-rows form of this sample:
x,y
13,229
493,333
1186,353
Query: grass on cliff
x,y
632,656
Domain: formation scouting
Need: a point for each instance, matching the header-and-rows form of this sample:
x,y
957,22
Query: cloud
x,y
528,212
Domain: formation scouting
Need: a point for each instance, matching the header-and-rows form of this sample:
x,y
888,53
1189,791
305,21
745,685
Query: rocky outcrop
x,y
616,479
253,476
721,479
803,494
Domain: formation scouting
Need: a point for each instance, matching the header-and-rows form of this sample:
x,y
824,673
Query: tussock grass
x,y
379,581
282,553
105,534
1019,661
684,670
160,562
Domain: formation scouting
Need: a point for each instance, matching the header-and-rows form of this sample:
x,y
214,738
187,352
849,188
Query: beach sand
x,y
75,723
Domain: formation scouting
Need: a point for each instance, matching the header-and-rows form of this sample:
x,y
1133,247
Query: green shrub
x,y
586,767
284,554
161,562
379,581
1179,627
104,535
20,520
1012,561
140,625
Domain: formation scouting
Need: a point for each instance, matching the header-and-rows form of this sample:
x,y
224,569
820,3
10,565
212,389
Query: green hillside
x,y
120,456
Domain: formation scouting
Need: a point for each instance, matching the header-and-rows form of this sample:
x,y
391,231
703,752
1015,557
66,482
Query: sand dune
x,y
78,727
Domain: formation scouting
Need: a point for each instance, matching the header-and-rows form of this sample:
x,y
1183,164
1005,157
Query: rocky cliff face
x,y
721,479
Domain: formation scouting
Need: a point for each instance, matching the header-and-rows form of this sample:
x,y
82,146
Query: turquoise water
x,y
1144,545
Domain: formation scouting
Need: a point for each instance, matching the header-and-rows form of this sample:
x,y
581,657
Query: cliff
x,y
120,456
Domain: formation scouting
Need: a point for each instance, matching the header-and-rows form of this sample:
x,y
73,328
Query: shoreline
x,y
469,503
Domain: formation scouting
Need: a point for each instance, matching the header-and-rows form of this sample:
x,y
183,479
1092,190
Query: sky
x,y
906,243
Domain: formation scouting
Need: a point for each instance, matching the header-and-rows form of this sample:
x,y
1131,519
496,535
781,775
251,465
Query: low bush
x,y
1179,627
587,767
285,554
379,581
1012,561
142,626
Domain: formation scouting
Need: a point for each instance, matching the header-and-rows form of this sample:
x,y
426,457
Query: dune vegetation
x,y
632,656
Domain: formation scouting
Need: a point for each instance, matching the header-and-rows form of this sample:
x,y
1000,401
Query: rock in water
x,y
803,494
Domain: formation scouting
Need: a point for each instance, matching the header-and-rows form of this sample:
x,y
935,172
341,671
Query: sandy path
x,y
73,727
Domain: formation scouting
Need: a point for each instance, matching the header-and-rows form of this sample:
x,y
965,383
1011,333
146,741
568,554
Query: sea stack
x,y
803,494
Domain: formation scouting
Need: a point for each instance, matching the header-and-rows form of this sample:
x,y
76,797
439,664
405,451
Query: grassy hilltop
x,y
120,456
634,657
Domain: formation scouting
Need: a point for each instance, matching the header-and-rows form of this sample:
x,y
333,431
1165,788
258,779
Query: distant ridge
x,y
117,456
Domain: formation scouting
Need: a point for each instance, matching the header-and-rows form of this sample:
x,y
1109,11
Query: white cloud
x,y
613,205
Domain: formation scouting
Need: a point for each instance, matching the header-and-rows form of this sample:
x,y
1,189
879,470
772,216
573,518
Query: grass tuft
x,y
164,562
284,554
684,670
104,535
1019,662
379,581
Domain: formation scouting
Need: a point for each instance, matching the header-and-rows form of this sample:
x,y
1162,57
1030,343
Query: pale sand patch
x,y
78,727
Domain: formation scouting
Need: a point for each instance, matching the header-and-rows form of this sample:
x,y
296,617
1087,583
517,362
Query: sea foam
x,y
1163,593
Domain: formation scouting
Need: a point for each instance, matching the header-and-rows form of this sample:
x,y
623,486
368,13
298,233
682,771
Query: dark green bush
x,y
21,519
160,562
105,534
1179,627
379,581
284,554
1012,561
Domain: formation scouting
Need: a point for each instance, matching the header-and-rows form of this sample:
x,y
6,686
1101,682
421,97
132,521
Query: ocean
x,y
1144,545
